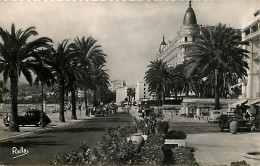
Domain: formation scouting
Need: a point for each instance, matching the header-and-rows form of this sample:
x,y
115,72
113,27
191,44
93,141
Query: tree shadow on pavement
x,y
78,130
29,143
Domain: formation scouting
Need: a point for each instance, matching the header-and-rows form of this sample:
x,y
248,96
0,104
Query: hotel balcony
x,y
252,35
256,55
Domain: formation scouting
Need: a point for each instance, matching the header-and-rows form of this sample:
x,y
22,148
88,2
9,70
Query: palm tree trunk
x,y
216,89
187,90
95,99
86,101
13,125
164,90
163,97
61,101
73,103
42,122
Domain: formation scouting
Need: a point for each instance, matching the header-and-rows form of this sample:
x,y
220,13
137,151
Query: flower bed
x,y
121,147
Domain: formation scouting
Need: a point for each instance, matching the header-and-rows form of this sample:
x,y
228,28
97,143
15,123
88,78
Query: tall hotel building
x,y
251,33
175,50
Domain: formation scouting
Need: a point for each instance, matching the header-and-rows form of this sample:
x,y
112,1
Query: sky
x,y
129,32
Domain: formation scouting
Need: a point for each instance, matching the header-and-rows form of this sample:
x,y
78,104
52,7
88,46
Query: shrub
x,y
79,157
162,127
152,151
183,156
115,148
173,134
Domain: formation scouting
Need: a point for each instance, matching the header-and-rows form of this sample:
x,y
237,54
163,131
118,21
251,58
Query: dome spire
x,y
189,17
163,42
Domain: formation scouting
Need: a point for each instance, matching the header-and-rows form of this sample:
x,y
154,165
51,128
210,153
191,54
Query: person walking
x,y
171,115
107,111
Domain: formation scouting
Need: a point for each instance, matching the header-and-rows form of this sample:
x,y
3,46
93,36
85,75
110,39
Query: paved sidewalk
x,y
224,148
28,130
219,148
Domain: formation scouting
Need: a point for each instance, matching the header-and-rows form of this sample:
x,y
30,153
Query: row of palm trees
x,y
214,63
69,67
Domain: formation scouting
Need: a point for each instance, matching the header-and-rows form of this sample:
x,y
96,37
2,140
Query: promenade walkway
x,y
214,148
28,130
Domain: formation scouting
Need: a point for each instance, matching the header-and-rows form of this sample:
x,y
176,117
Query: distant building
x,y
251,33
141,92
114,85
121,93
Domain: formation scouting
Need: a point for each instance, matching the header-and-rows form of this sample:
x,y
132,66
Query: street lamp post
x,y
42,108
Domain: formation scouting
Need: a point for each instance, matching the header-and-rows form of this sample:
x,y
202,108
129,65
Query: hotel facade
x,y
251,34
174,51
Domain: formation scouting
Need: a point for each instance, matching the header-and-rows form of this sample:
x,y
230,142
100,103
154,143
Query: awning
x,y
239,102
254,102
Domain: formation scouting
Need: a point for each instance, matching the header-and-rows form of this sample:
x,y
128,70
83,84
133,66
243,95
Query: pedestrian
x,y
171,115
143,113
247,116
80,106
103,111
116,110
107,111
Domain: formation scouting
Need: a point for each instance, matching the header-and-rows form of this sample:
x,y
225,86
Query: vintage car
x,y
225,120
214,116
30,117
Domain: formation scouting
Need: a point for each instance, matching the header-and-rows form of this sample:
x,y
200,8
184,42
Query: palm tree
x,y
3,90
100,79
45,77
90,54
177,77
130,94
218,53
17,56
62,63
158,78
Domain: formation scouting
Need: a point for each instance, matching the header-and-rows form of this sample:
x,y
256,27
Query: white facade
x,y
251,33
121,94
116,84
174,51
141,91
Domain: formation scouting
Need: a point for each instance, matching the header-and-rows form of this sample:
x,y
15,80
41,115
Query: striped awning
x,y
256,101
239,102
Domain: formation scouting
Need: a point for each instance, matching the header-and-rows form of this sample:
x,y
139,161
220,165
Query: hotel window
x,y
186,38
254,28
247,31
144,88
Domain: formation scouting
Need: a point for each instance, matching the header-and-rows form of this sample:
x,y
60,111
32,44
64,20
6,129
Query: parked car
x,y
225,120
214,116
30,117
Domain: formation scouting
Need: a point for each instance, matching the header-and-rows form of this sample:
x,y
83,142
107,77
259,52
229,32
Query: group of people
x,y
103,110
143,111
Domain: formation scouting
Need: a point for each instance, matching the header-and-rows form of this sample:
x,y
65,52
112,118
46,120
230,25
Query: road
x,y
42,147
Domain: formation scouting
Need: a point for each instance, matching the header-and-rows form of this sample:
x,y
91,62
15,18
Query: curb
x,y
40,130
